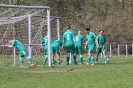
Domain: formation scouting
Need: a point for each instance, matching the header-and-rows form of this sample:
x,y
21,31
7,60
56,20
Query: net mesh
x,y
14,25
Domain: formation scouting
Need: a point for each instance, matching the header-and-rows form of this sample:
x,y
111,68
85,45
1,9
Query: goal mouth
x,y
28,24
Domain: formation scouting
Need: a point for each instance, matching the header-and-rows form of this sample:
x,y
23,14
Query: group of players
x,y
72,44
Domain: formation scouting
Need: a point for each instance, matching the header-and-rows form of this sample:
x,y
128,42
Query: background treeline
x,y
113,16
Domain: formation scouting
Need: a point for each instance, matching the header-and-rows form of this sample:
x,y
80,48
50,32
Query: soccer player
x,y
55,49
68,40
23,52
44,46
100,42
79,39
90,42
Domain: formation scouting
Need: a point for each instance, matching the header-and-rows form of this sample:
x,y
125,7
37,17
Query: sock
x,y
59,62
52,62
81,59
97,59
74,57
22,62
30,61
105,59
89,59
93,60
45,59
68,59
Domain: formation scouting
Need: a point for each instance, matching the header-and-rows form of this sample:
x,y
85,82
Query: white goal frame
x,y
29,27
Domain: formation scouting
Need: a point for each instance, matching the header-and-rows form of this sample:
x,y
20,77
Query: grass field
x,y
117,74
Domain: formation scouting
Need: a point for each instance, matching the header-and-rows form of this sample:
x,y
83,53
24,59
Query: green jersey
x,y
91,39
68,38
72,32
18,45
101,40
45,42
79,39
55,46
56,43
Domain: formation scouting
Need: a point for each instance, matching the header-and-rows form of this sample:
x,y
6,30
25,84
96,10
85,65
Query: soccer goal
x,y
29,24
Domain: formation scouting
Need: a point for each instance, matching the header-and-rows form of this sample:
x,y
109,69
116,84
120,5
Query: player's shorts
x,y
45,51
55,50
91,48
70,49
100,50
78,49
23,53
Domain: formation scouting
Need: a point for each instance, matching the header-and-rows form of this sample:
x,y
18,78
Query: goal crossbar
x,y
23,6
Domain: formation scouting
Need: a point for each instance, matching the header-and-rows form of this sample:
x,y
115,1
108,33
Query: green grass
x,y
116,74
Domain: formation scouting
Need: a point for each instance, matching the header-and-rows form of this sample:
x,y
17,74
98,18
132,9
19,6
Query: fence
x,y
119,48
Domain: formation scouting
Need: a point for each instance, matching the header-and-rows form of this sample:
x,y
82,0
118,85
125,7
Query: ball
x,y
32,65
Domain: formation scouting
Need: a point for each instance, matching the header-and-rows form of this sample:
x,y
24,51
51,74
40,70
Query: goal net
x,y
29,24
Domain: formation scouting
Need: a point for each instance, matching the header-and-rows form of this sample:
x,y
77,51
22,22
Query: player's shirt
x,y
18,45
45,42
79,39
56,43
72,32
101,40
68,38
91,39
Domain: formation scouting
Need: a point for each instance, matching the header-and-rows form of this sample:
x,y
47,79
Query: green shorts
x,y
78,49
70,49
45,51
55,50
23,53
91,49
100,50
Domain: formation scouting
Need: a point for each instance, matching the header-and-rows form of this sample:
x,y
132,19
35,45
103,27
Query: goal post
x,y
23,18
49,38
49,34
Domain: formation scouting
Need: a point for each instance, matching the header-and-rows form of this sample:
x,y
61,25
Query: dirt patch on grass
x,y
53,71
47,71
